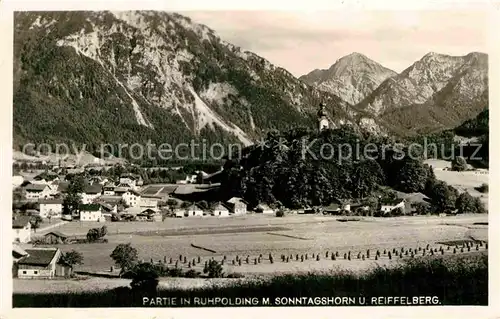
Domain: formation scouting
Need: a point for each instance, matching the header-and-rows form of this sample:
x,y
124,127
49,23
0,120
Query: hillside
x,y
435,93
352,77
128,77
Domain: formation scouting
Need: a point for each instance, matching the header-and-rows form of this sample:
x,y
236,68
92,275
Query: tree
x,y
443,196
214,269
125,256
171,203
93,234
35,221
484,188
103,231
465,204
144,277
73,199
459,164
73,258
412,176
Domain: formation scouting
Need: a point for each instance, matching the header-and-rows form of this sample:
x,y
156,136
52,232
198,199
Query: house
x,y
264,209
220,210
37,191
50,207
388,205
180,212
149,215
129,179
119,191
108,209
108,190
131,198
21,229
189,179
42,263
148,201
91,193
194,210
55,237
90,212
237,205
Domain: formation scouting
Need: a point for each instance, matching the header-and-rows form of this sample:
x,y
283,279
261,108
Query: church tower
x,y
323,123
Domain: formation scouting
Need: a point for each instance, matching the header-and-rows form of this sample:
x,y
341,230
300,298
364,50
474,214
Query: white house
x,y
91,213
389,205
220,210
180,212
237,205
129,179
37,191
21,229
194,210
91,193
131,198
50,207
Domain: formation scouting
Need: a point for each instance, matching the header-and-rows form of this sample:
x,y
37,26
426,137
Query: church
x,y
323,120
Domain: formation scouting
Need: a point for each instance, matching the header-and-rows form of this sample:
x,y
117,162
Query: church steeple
x,y
323,123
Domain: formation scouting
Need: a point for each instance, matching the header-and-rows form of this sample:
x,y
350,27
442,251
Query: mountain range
x,y
127,77
352,77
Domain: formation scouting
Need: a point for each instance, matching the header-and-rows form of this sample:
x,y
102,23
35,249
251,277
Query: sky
x,y
303,41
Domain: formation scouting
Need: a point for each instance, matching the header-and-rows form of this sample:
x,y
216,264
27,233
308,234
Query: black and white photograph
x,y
236,158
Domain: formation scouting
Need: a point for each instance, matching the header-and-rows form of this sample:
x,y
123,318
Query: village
x,y
124,208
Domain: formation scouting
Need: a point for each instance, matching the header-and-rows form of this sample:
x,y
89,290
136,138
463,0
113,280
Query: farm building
x,y
21,229
42,263
237,205
264,209
194,210
55,237
389,205
220,210
50,207
90,212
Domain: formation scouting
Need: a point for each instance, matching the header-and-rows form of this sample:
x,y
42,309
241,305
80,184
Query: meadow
x,y
292,235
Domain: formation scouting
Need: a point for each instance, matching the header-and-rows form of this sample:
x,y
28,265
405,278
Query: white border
x,y
7,7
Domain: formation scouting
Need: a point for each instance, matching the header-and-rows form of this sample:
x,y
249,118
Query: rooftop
x,y
38,256
89,207
35,187
50,201
20,221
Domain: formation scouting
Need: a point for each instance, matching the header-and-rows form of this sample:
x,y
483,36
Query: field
x,y
255,235
462,181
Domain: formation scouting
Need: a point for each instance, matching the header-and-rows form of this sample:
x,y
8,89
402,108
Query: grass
x,y
455,281
323,234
